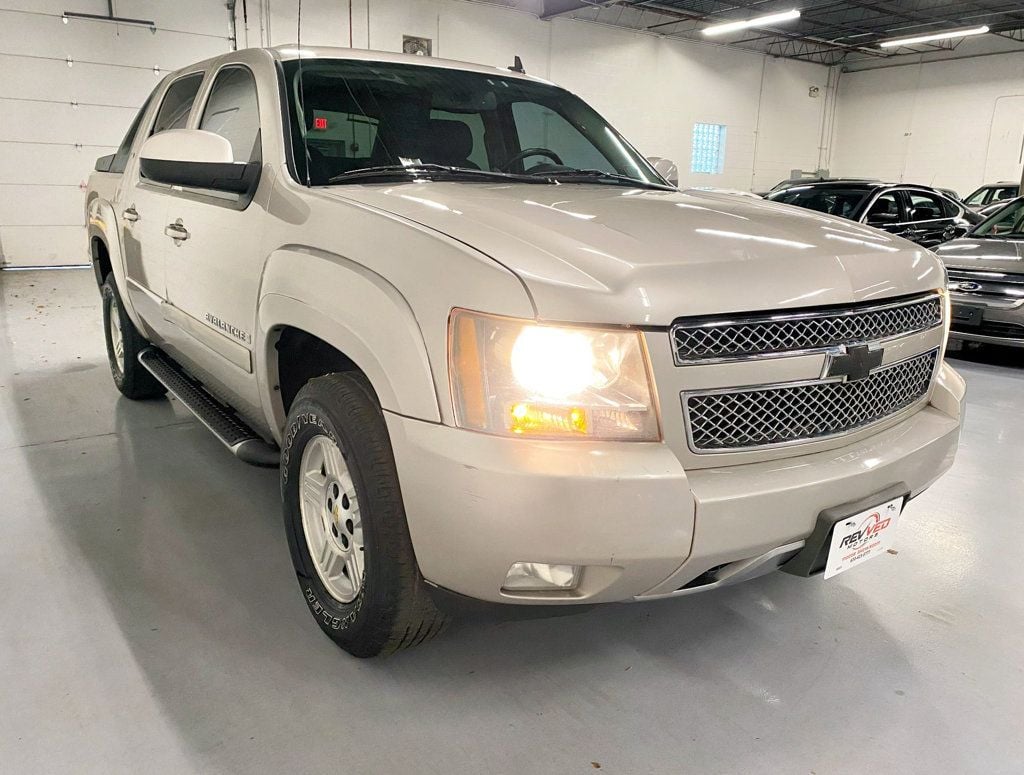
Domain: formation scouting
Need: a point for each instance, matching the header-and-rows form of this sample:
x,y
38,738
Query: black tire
x,y
393,609
131,379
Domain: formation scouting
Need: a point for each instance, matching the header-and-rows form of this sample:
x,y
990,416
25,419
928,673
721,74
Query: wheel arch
x,y
331,314
104,242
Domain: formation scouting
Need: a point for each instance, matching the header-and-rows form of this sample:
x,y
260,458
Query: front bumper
x,y
641,526
994,321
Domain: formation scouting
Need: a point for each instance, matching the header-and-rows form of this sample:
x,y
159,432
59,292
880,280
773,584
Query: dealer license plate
x,y
862,536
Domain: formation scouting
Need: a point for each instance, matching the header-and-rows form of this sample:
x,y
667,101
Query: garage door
x,y
68,91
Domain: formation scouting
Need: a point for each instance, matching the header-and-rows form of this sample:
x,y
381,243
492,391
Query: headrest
x,y
443,142
882,206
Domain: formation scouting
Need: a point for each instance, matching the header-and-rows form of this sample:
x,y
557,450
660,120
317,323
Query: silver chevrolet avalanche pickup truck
x,y
496,356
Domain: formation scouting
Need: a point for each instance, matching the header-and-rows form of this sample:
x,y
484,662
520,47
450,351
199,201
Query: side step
x,y
242,440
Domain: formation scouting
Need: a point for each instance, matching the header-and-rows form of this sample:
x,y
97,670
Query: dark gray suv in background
x,y
986,279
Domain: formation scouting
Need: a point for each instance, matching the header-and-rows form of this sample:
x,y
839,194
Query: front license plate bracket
x,y
811,560
966,315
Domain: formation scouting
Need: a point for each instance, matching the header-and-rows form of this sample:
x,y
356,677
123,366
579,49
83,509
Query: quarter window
x,y
177,104
232,112
708,149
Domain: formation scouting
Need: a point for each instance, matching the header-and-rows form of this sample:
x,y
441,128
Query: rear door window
x,y
232,112
924,207
885,210
177,103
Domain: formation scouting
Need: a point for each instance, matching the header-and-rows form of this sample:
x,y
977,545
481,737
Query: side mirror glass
x,y
666,168
104,163
196,159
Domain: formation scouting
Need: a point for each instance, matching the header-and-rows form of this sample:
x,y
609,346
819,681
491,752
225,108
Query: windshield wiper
x,y
432,171
597,176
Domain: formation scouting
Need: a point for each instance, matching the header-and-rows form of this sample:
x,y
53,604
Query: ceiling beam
x,y
553,8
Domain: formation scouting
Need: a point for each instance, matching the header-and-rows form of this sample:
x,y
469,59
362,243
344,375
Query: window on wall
x,y
708,155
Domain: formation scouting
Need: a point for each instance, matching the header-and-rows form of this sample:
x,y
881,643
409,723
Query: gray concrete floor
x,y
151,621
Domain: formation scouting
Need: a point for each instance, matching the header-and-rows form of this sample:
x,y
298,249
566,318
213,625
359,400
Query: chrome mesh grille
x,y
767,416
698,340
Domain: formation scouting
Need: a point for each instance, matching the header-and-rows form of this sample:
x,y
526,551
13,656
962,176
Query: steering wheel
x,y
528,152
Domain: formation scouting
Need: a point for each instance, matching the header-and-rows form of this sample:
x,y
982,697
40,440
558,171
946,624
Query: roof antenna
x,y
302,97
517,66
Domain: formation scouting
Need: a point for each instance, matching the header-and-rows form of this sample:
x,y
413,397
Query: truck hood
x,y
997,255
613,254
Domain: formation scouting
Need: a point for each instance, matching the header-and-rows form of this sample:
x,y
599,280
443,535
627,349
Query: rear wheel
x,y
124,343
346,524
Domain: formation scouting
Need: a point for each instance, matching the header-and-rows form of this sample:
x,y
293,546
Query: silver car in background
x,y
986,279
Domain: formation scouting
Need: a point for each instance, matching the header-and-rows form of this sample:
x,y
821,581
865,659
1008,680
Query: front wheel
x,y
346,524
124,343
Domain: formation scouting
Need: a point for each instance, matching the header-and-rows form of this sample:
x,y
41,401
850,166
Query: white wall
x,y
953,124
48,145
652,89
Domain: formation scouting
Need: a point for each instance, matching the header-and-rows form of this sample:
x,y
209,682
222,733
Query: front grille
x,y
984,283
729,420
994,328
699,340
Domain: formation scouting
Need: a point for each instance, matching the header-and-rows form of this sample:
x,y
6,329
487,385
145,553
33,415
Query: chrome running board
x,y
243,441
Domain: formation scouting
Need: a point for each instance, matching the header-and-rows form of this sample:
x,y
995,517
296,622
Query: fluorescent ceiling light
x,y
759,21
936,36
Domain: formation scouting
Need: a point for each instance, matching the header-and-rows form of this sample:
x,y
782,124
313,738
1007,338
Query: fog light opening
x,y
541,577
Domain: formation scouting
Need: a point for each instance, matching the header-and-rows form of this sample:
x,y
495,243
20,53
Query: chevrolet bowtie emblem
x,y
852,362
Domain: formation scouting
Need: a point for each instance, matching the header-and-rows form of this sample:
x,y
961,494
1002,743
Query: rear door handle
x,y
176,231
131,214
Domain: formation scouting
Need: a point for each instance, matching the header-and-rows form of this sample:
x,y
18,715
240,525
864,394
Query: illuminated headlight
x,y
519,378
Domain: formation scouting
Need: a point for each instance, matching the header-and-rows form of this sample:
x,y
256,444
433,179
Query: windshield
x,y
999,194
356,115
834,201
977,198
1008,222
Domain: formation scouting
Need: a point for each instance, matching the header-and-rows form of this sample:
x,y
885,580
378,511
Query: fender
x,y
103,225
356,311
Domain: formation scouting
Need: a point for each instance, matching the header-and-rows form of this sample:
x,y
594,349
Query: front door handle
x,y
131,214
176,231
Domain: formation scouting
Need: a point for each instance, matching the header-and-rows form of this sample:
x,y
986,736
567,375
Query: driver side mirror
x,y
666,168
196,159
